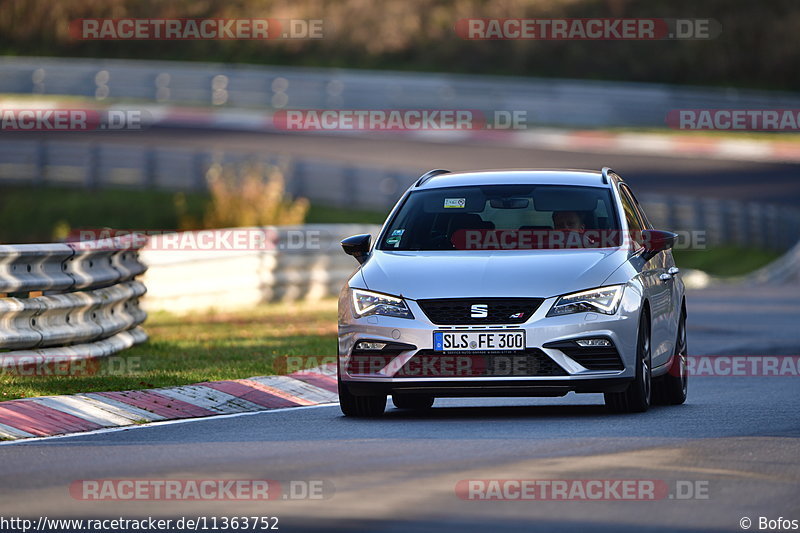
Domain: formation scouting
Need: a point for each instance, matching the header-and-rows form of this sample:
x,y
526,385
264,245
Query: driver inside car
x,y
567,221
569,226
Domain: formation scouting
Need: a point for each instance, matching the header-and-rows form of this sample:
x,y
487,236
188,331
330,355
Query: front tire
x,y
636,397
672,387
415,402
360,406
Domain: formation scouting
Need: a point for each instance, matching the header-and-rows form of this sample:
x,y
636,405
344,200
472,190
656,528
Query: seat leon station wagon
x,y
513,283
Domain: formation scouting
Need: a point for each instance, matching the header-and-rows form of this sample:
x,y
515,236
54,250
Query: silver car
x,y
513,283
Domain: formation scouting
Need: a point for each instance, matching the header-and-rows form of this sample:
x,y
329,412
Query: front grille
x,y
459,311
531,362
590,357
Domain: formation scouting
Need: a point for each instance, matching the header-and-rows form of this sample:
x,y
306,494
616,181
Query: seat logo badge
x,y
479,311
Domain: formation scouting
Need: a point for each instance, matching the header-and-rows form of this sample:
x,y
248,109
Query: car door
x,y
658,289
670,279
673,282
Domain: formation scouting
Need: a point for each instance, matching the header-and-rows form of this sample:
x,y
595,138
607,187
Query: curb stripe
x,y
660,144
318,380
250,392
41,420
786,150
297,387
83,409
158,403
278,391
53,415
215,401
122,409
158,424
14,433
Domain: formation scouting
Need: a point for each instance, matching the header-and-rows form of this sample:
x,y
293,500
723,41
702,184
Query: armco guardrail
x,y
70,300
340,184
83,164
299,263
559,102
302,263
784,270
715,221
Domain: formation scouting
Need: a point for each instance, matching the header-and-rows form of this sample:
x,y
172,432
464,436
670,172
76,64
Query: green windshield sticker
x,y
395,237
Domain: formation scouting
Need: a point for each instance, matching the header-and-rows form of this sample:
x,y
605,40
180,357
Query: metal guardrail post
x,y
41,162
92,164
700,218
351,187
150,168
394,187
299,177
199,168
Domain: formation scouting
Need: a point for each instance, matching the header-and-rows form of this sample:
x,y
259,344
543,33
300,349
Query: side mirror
x,y
655,241
358,246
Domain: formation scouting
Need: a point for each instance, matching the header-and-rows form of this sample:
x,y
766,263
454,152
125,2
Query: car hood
x,y
507,273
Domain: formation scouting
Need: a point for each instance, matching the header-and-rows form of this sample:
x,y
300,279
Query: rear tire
x,y
672,387
415,402
360,406
636,397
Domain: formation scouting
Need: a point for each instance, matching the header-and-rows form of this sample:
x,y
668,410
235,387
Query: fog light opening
x,y
371,346
588,343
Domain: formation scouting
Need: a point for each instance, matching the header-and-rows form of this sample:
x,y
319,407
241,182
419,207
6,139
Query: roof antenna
x,y
428,175
606,171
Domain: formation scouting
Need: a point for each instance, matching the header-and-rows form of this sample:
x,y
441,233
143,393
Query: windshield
x,y
504,217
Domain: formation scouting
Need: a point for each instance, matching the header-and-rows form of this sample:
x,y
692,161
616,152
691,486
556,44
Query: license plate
x,y
479,341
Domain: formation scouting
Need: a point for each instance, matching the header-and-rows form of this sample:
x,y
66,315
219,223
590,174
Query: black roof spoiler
x,y
428,175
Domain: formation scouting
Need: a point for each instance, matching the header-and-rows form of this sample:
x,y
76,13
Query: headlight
x,y
366,303
603,300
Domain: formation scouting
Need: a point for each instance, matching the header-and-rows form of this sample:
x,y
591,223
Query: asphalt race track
x,y
695,176
735,443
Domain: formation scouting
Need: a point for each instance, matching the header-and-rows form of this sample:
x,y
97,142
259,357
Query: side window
x,y
642,216
631,216
635,224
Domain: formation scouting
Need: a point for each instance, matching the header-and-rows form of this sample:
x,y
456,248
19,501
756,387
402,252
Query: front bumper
x,y
468,388
541,332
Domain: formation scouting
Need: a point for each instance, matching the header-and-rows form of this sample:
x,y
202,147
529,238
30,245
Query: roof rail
x,y
606,171
428,175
